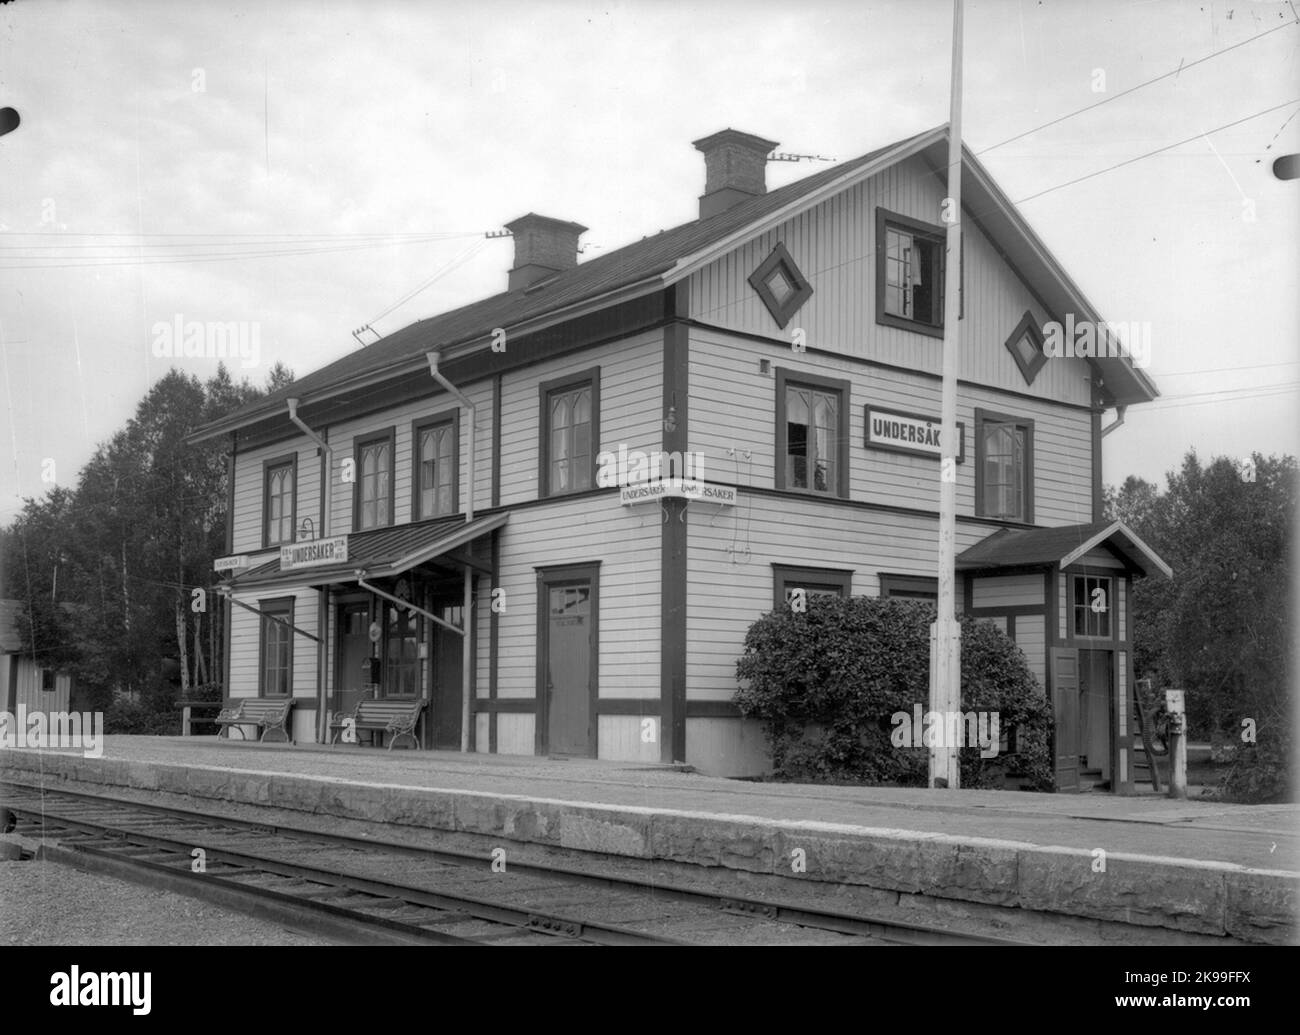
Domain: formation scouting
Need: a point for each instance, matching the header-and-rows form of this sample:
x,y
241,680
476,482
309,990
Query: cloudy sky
x,y
301,167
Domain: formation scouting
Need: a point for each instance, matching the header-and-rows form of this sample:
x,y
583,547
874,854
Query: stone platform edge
x,y
1208,898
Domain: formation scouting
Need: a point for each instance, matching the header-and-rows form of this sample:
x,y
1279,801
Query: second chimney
x,y
543,246
735,169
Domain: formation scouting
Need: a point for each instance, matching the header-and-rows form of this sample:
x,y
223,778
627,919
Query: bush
x,y
826,682
127,716
1261,772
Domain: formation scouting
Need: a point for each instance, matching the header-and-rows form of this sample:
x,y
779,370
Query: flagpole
x,y
945,639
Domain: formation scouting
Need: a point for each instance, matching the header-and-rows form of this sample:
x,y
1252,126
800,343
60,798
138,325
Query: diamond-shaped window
x,y
1026,347
780,285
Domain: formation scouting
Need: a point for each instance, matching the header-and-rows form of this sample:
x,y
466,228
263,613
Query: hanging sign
x,y
912,433
236,563
314,554
677,489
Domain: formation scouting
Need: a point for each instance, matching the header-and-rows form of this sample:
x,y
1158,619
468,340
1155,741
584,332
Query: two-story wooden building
x,y
791,341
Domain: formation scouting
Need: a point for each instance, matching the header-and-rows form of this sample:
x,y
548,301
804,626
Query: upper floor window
x,y
279,478
910,273
812,433
1026,347
1091,605
436,467
374,491
570,428
276,668
1004,470
780,285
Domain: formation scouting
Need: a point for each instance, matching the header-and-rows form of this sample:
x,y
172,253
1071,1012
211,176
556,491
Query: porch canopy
x,y
380,553
1061,547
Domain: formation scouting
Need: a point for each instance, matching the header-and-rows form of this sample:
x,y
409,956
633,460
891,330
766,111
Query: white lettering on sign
x,y
910,433
314,554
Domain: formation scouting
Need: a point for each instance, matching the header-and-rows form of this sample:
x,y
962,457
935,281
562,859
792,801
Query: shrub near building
x,y
826,680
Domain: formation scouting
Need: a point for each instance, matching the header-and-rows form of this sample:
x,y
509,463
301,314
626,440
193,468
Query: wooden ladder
x,y
1144,723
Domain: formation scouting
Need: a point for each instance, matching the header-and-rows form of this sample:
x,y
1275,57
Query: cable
x,y
1139,86
450,265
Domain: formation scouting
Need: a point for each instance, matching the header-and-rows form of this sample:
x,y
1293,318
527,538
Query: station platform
x,y
1066,868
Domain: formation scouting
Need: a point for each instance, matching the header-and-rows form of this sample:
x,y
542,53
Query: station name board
x,y
314,554
236,563
675,488
912,433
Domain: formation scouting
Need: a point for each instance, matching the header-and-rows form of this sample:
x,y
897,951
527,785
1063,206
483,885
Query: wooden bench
x,y
271,714
397,718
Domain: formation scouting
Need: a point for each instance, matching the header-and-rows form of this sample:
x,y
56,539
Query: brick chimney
x,y
735,169
543,246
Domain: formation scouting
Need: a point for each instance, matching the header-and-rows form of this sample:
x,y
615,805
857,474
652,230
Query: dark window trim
x,y
282,608
548,577
785,574
419,426
388,435
801,290
287,460
890,584
885,219
989,416
1028,325
544,391
786,376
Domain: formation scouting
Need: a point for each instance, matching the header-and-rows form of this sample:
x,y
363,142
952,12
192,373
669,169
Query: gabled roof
x,y
654,263
1060,547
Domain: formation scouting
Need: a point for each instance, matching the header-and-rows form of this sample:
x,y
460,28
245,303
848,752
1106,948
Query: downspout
x,y
1119,419
468,602
323,592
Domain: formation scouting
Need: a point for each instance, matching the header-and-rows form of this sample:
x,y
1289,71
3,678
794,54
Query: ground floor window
x,y
276,659
910,587
1092,596
812,581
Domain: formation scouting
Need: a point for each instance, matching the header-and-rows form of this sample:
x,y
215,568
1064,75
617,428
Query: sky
x,y
298,168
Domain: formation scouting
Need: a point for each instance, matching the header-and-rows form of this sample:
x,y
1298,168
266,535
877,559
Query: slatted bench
x,y
396,718
270,714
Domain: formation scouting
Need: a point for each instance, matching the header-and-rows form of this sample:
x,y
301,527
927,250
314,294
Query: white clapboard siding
x,y
733,423
730,589
631,380
834,246
1121,606
1031,637
727,747
246,640
343,438
1008,591
30,694
626,540
620,738
249,490
515,734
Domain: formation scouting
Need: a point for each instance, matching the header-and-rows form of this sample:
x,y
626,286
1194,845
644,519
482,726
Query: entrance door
x,y
568,683
1065,702
354,648
448,695
1095,694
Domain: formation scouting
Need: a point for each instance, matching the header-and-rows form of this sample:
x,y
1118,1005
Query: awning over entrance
x,y
1061,547
380,553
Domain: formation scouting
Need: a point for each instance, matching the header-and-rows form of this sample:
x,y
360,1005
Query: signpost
x,y
1176,707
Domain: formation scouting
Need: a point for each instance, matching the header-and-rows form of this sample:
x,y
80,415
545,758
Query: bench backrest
x,y
382,711
256,709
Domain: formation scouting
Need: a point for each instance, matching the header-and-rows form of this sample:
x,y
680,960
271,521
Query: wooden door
x,y
1065,701
447,699
353,649
568,630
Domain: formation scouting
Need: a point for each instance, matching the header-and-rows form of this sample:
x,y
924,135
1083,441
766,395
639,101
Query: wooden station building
x,y
467,551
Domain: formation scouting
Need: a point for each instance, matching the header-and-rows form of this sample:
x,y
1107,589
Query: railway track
x,y
364,890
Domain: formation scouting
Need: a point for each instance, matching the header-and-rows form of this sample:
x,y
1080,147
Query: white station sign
x,y
912,433
314,554
677,489
236,563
